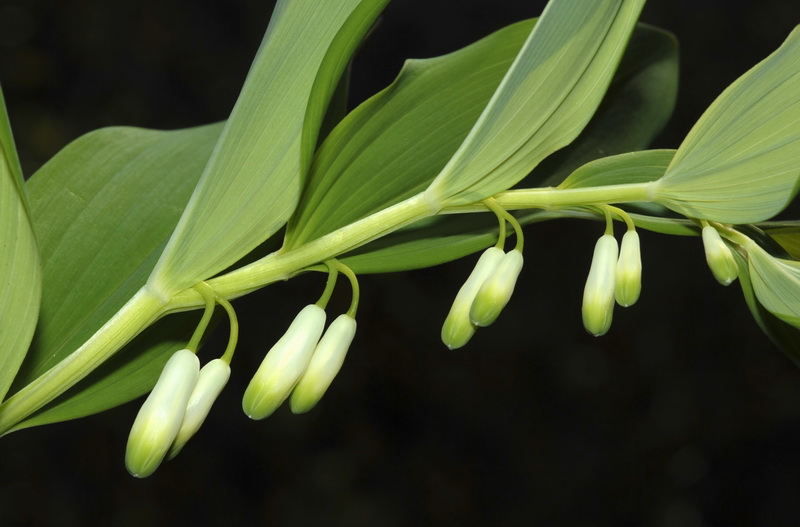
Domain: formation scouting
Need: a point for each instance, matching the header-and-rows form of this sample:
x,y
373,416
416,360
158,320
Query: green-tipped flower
x,y
212,379
284,364
325,364
160,417
598,295
629,270
495,292
719,256
458,328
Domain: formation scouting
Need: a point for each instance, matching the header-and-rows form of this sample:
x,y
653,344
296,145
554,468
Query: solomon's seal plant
x,y
125,226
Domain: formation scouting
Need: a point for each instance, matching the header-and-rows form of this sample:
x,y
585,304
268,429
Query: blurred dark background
x,y
684,415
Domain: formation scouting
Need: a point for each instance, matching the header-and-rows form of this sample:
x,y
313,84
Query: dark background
x,y
684,415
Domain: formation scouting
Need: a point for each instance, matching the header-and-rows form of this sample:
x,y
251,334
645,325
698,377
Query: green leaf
x,y
104,208
547,97
788,238
776,283
633,167
740,163
20,270
637,105
351,176
252,182
393,145
783,335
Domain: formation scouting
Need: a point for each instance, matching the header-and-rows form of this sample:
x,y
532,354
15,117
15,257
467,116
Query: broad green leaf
x,y
633,167
783,335
776,283
547,97
393,145
350,177
637,105
103,210
252,182
20,270
740,163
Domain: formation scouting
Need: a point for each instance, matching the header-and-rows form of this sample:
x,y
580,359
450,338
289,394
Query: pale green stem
x,y
330,285
139,312
553,197
281,264
145,307
609,220
208,295
504,217
353,284
501,220
233,337
624,216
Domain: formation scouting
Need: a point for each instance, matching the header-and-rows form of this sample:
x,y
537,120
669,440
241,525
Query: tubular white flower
x,y
159,419
458,328
629,270
212,379
598,294
324,365
719,256
496,291
284,364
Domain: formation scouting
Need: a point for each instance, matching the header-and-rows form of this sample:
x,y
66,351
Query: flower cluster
x,y
483,296
615,276
302,364
174,410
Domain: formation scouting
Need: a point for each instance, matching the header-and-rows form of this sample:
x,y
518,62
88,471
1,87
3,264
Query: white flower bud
x,y
719,257
212,379
159,419
629,270
598,294
284,364
325,364
495,292
458,328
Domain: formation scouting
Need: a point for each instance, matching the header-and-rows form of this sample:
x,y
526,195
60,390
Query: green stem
x,y
233,337
553,197
281,264
139,312
208,295
624,216
609,220
354,284
145,307
333,274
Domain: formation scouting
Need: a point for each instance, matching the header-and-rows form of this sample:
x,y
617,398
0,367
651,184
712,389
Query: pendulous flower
x,y
496,290
628,284
324,365
458,328
210,382
160,417
598,294
719,256
284,364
